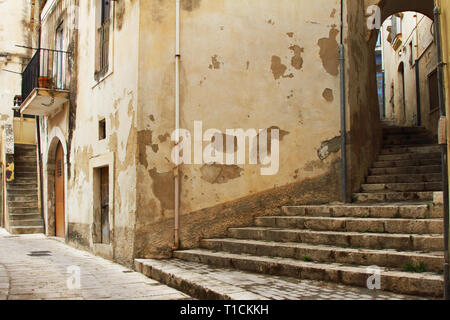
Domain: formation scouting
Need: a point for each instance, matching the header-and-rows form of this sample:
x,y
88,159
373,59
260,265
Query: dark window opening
x,y
102,129
433,91
106,5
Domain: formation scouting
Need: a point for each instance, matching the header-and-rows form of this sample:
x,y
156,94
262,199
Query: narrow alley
x,y
33,267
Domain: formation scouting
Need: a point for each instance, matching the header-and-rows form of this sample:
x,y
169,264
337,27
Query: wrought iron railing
x,y
47,69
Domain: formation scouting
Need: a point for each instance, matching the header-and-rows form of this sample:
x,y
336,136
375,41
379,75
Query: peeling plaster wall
x,y
243,65
15,29
113,98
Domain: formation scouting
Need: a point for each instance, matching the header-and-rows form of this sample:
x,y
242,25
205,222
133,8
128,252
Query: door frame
x,y
59,148
97,162
56,136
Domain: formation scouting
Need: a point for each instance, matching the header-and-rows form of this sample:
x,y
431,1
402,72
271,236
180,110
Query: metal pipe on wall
x,y
443,113
38,137
176,244
343,111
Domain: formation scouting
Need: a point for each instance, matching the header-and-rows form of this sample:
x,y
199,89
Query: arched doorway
x,y
60,229
365,129
55,187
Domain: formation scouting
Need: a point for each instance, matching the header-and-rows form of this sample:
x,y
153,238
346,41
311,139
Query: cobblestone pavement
x,y
249,286
51,271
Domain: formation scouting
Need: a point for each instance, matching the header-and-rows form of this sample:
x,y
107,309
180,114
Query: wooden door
x,y
104,185
59,193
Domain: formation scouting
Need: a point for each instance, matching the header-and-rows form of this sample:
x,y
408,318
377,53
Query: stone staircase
x,y
24,215
393,224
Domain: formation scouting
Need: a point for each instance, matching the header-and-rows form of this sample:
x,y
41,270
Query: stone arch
x,y
55,137
365,131
390,7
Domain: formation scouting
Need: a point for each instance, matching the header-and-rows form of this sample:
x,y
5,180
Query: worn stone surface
x,y
44,276
209,282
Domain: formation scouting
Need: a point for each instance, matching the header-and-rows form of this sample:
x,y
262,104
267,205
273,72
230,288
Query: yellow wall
x,y
24,131
445,29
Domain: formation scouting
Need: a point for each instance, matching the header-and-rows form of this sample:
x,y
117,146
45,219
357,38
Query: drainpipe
x,y
419,106
41,191
443,112
176,244
38,134
343,113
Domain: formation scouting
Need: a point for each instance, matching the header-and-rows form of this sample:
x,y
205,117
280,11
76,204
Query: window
x,y
433,91
102,129
396,27
103,37
411,54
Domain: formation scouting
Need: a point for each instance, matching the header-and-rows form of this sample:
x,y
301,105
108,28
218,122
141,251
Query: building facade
x,y
116,78
410,62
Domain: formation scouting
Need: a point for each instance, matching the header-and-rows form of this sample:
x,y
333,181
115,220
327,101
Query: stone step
x,y
425,284
403,130
20,198
203,286
381,197
403,242
409,156
25,158
25,216
23,204
14,186
27,223
25,180
433,262
214,283
393,141
25,151
20,210
25,146
407,163
389,211
402,187
26,230
410,135
29,173
367,225
406,170
410,149
404,178
15,191
26,168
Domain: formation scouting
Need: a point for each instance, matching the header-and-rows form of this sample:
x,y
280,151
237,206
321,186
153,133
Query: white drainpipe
x,y
177,127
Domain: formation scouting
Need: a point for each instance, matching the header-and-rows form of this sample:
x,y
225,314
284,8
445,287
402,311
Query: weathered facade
x,y
17,33
263,65
136,99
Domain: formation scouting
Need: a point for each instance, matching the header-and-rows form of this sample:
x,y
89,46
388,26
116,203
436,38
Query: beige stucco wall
x,y
14,30
113,98
243,65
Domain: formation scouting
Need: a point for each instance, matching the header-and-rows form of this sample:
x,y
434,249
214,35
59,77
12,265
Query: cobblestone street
x,y
36,267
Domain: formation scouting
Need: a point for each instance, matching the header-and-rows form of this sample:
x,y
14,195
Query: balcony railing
x,y
46,70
